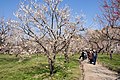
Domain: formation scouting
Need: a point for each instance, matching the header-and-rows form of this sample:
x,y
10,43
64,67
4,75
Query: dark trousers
x,y
91,60
94,60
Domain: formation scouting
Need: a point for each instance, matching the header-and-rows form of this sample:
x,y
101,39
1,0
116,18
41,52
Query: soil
x,y
97,72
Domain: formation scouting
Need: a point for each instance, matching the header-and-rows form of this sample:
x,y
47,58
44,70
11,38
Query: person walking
x,y
90,56
94,57
82,55
111,54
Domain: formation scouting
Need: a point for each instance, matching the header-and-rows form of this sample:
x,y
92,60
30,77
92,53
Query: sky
x,y
89,7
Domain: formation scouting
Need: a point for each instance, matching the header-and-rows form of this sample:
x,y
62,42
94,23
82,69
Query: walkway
x,y
97,72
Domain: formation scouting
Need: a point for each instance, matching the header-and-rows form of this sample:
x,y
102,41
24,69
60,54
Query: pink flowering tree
x,y
110,13
110,20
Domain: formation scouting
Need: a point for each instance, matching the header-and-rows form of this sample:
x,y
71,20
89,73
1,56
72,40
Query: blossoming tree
x,y
49,25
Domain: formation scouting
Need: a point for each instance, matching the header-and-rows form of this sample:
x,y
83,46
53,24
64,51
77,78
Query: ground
x,y
97,72
35,67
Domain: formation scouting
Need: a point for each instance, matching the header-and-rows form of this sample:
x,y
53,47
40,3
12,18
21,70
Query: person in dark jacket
x,y
94,57
82,55
111,55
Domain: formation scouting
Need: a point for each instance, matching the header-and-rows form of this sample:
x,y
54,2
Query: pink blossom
x,y
106,6
118,1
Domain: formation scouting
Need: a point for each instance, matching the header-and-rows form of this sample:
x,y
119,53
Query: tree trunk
x,y
102,53
110,56
51,66
66,57
54,56
16,55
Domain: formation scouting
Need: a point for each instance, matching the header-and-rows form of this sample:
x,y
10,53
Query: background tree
x,y
110,13
4,35
110,19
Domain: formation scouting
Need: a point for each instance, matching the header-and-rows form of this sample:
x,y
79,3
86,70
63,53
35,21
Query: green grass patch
x,y
36,68
113,64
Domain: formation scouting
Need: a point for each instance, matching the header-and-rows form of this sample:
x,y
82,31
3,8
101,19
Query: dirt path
x,y
97,72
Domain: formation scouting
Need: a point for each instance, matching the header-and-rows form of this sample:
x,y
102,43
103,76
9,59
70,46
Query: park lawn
x,y
113,64
36,68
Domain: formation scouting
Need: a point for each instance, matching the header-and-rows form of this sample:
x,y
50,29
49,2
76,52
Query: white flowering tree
x,y
49,25
10,35
4,35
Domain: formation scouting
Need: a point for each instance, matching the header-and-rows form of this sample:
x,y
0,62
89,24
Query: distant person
x,y
85,54
90,56
94,57
82,55
111,55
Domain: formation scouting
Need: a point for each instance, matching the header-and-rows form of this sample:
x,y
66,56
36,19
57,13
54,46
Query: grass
x,y
113,64
36,68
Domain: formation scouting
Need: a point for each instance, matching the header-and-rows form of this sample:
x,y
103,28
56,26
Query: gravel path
x,y
97,72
